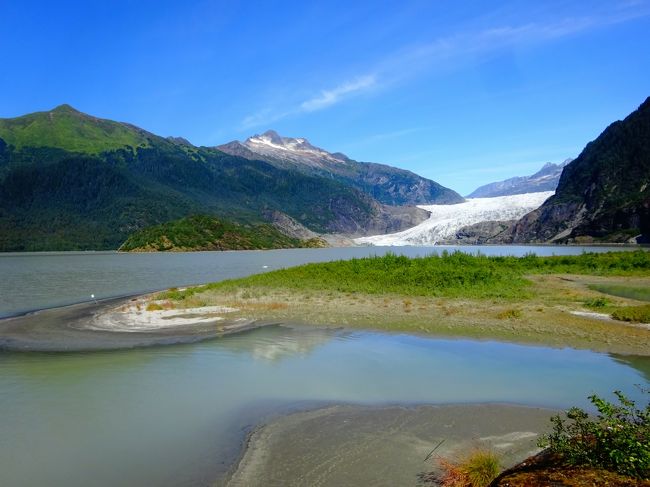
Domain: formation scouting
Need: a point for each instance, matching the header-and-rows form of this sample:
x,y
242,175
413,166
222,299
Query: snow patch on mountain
x,y
271,144
546,179
446,220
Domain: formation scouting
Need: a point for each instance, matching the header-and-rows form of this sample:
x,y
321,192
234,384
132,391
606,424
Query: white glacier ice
x,y
446,220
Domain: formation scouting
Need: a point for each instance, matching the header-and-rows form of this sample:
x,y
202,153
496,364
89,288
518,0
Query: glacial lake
x,y
37,280
177,415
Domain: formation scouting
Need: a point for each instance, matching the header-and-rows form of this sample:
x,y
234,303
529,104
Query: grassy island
x,y
556,301
203,232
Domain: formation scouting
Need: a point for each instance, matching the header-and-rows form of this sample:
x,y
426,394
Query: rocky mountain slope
x,y
546,179
604,194
71,181
386,184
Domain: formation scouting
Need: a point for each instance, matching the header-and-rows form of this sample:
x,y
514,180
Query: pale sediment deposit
x,y
354,445
134,318
117,323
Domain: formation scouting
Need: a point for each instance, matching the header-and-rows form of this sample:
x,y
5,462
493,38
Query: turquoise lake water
x,y
177,415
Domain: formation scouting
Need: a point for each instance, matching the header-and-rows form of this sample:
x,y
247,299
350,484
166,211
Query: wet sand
x,y
114,324
381,446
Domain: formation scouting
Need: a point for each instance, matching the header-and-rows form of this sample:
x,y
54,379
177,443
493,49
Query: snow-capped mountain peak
x,y
272,141
385,184
546,179
271,144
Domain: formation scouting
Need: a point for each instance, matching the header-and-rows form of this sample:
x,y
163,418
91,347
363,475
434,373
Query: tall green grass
x,y
634,314
446,275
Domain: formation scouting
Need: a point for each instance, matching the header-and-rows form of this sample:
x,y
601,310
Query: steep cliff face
x,y
604,194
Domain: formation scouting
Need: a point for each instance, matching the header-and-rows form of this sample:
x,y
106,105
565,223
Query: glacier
x,y
445,220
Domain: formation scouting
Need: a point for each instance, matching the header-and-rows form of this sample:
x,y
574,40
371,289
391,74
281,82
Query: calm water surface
x,y
177,415
37,280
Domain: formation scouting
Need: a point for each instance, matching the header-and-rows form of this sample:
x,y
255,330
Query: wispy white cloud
x,y
452,52
324,99
263,117
328,98
465,47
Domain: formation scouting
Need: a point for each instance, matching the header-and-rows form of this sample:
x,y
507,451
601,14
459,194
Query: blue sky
x,y
464,93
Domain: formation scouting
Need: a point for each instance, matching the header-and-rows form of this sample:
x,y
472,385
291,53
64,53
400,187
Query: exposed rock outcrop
x,y
604,194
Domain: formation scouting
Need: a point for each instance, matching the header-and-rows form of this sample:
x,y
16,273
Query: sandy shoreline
x,y
115,324
347,445
337,445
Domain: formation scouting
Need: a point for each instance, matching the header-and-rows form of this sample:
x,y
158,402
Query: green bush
x,y
597,302
617,439
635,314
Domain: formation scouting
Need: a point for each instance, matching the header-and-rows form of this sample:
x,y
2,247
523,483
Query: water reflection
x,y
277,342
36,280
642,364
176,415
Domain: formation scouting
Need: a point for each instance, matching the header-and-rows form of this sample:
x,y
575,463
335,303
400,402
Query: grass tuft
x,y
508,314
597,303
477,469
482,467
634,314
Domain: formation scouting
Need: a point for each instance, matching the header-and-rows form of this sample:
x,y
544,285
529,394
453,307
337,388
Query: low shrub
x,y
507,314
617,439
635,314
597,302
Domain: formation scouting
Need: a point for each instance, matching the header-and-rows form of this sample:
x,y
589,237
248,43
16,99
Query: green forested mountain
x,y
602,195
387,184
201,232
72,181
68,129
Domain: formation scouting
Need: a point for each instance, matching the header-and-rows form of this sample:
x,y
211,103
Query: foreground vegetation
x,y
609,448
447,275
617,439
534,300
203,232
477,469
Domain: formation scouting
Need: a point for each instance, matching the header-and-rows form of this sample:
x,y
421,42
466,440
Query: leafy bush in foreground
x,y
617,439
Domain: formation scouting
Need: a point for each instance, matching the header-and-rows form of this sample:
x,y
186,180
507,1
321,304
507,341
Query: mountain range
x,y
388,185
546,179
71,181
601,196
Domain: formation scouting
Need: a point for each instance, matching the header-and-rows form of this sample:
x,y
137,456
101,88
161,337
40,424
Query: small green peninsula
x,y
202,232
543,300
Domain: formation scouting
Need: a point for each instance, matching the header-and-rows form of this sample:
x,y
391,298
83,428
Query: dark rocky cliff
x,y
604,194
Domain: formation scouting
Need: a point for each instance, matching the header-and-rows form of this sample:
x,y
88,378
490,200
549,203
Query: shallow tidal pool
x,y
178,415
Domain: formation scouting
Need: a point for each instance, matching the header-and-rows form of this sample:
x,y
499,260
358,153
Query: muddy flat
x,y
342,446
